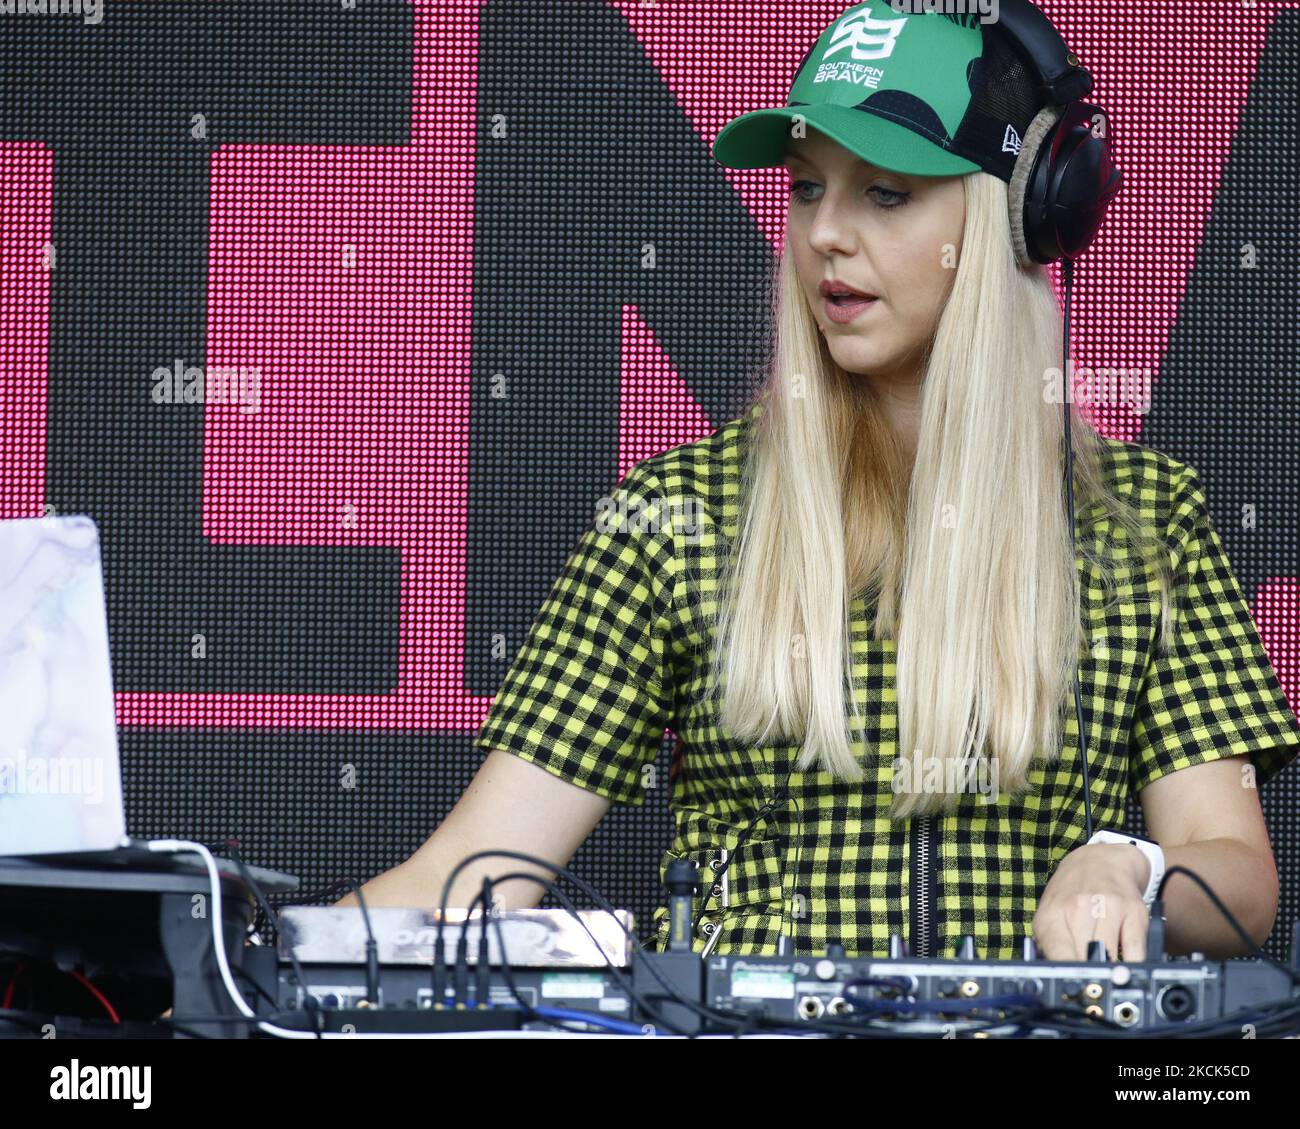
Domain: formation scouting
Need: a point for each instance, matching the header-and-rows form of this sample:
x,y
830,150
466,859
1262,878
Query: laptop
x,y
60,774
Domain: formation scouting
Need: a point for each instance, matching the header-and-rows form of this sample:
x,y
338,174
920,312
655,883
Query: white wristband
x,y
1155,856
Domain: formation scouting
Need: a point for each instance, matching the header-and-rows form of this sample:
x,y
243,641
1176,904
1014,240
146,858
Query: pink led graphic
x,y
1277,612
361,432
26,260
656,409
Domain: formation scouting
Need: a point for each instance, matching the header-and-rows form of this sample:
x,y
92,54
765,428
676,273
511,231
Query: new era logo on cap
x,y
1011,141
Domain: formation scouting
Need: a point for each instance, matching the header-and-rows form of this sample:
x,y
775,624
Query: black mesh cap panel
x,y
1005,92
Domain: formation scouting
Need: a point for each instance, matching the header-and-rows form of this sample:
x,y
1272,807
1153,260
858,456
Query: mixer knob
x,y
835,951
1028,949
1097,952
824,969
966,948
897,947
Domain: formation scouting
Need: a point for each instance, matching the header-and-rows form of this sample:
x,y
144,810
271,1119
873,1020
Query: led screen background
x,y
481,262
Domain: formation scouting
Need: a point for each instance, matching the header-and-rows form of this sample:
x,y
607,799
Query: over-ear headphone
x,y
1065,175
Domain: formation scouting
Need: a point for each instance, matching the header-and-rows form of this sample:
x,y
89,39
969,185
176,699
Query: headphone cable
x,y
1067,273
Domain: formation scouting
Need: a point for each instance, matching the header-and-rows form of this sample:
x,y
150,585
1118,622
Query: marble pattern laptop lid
x,y
60,776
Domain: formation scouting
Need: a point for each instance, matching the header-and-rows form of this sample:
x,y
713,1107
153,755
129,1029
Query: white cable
x,y
182,846
179,846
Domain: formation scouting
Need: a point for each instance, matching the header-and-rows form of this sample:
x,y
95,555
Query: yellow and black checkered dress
x,y
620,651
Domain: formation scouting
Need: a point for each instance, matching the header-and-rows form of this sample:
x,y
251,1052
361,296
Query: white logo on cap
x,y
1010,141
866,38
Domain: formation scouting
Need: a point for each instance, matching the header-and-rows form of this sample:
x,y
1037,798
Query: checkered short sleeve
x,y
588,696
1215,693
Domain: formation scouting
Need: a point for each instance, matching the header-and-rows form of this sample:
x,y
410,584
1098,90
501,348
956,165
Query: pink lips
x,y
845,312
830,289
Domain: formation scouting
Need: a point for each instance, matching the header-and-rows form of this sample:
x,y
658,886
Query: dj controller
x,y
588,964
101,947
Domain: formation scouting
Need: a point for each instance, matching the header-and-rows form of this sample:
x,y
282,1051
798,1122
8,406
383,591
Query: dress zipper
x,y
924,850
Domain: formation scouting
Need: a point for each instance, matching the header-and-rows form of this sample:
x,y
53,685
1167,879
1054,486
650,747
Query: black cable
x,y
460,974
1281,1020
298,897
1275,1016
600,900
309,1003
231,844
372,945
739,1020
567,903
506,971
558,871
531,1015
1067,396
482,961
1255,950
270,999
798,858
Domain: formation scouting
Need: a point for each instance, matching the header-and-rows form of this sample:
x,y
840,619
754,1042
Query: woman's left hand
x,y
1095,894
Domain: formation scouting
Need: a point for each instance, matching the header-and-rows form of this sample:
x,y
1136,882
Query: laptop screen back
x,y
60,779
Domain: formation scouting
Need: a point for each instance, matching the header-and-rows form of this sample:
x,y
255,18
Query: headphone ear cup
x,y
1026,191
1070,186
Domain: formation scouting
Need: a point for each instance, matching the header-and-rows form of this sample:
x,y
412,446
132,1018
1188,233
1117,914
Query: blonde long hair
x,y
967,548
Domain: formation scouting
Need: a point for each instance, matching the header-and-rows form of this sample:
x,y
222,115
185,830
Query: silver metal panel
x,y
534,938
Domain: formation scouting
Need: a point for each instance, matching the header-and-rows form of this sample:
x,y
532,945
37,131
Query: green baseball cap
x,y
919,92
